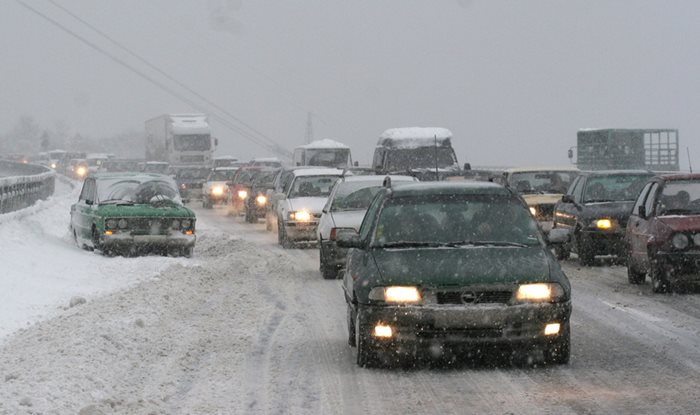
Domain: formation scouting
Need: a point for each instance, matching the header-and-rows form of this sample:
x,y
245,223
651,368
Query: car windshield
x,y
541,181
192,142
680,197
264,178
455,219
614,188
156,168
328,157
193,174
136,191
221,175
420,158
312,186
355,195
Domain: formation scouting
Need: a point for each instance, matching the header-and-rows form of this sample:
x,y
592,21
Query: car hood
x,y
212,184
348,218
141,210
615,210
311,204
462,266
542,199
679,223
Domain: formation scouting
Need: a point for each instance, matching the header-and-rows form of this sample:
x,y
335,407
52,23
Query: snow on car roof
x,y
380,178
225,158
412,137
543,168
325,143
226,168
318,172
264,159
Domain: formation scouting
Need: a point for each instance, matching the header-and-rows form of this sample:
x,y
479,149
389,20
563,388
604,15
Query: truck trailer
x,y
180,139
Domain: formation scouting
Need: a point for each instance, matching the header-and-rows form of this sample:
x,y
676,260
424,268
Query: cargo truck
x,y
627,149
180,139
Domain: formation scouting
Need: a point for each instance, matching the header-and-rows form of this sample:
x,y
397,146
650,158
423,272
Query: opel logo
x,y
468,297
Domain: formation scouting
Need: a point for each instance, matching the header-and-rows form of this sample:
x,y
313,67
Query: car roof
x,y
616,172
373,178
318,171
679,176
542,168
128,175
226,168
446,188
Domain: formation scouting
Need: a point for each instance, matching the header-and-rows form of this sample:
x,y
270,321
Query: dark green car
x,y
130,213
452,264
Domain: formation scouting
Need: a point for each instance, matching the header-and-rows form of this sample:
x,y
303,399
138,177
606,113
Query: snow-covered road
x,y
247,327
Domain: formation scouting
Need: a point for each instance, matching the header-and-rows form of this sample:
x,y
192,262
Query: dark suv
x,y
663,233
594,212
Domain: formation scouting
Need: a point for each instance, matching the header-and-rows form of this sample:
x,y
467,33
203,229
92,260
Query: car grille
x,y
191,159
470,333
474,297
152,226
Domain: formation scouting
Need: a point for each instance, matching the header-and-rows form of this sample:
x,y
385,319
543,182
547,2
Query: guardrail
x,y
24,185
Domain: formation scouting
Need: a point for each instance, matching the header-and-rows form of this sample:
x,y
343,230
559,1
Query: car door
x,y
566,213
638,227
82,213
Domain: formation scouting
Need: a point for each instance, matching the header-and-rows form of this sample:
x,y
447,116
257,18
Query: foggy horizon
x,y
512,81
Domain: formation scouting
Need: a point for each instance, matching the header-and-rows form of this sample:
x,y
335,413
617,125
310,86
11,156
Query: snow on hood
x,y
310,204
325,143
542,199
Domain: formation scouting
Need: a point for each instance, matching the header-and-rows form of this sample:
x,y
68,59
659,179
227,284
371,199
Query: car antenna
x,y
437,171
690,165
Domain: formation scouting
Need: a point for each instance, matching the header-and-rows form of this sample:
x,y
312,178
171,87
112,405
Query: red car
x,y
663,232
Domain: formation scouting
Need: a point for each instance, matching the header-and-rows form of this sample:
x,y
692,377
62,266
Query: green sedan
x,y
130,213
457,265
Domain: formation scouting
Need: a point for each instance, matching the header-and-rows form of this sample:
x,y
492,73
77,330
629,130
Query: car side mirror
x,y
643,212
348,238
467,166
89,202
567,199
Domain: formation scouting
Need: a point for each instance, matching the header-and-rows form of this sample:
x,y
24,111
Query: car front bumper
x,y
605,242
301,231
487,323
175,240
685,266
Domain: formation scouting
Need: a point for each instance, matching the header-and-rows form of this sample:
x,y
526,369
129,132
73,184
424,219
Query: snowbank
x,y
42,268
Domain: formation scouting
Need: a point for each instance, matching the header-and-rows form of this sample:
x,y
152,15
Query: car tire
x,y
327,272
558,352
659,278
187,252
351,327
366,352
562,252
282,236
633,276
586,256
268,224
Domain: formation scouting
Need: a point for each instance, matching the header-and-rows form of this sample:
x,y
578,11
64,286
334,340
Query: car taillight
x,y
334,231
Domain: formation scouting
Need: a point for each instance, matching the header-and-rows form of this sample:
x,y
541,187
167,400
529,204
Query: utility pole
x,y
309,128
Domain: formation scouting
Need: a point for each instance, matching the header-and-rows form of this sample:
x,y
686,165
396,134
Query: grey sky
x,y
513,80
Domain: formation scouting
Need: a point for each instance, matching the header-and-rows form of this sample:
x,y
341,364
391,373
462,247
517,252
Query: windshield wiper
x,y
410,244
485,243
116,202
601,201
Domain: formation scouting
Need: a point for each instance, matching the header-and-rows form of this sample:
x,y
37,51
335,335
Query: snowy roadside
x,y
42,269
138,350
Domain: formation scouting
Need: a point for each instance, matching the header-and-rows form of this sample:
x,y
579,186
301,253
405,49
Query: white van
x,y
323,153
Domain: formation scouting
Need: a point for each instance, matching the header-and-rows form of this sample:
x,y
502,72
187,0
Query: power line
x,y
271,146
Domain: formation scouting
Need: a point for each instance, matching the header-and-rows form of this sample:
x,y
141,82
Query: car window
x,y
371,215
84,191
577,189
312,186
679,197
641,199
454,219
651,197
613,188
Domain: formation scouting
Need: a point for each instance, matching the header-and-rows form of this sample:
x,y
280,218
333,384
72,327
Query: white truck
x,y
180,139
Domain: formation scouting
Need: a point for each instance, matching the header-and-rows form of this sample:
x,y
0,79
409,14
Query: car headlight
x,y
603,223
218,191
176,224
696,239
81,171
242,194
300,215
53,165
261,200
533,211
186,223
680,241
123,223
111,223
396,294
539,292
